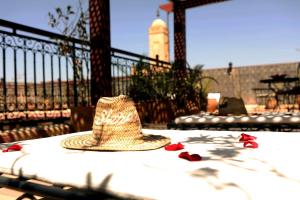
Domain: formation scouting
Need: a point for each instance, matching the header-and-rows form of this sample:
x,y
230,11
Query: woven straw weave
x,y
116,127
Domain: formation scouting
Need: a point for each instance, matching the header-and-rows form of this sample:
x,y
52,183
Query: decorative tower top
x,y
159,39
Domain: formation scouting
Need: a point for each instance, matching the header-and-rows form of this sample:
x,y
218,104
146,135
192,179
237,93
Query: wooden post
x,y
100,49
179,36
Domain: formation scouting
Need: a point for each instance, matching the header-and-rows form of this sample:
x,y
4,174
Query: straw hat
x,y
116,127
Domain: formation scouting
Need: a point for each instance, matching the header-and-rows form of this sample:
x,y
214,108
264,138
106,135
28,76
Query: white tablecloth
x,y
227,171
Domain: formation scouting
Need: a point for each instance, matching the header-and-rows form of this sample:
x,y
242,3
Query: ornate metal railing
x,y
37,70
126,66
43,74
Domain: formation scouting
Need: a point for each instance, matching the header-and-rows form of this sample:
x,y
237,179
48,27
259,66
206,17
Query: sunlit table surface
x,y
227,170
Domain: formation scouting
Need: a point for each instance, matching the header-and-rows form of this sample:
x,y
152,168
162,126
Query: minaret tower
x,y
159,40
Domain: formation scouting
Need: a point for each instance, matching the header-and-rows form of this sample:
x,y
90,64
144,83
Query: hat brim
x,y
146,142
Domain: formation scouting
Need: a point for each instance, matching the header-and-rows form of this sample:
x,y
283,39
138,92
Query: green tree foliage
x,y
192,86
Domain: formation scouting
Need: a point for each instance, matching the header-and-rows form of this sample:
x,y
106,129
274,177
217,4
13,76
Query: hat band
x,y
108,117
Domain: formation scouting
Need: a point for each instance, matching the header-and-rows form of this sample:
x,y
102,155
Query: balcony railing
x,y
47,73
126,65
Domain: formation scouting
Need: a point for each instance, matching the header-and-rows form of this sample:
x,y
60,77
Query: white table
x,y
227,171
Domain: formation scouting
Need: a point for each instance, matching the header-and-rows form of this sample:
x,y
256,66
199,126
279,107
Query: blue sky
x,y
245,32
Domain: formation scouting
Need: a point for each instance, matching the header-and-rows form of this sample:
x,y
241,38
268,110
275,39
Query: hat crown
x,y
109,117
115,111
115,118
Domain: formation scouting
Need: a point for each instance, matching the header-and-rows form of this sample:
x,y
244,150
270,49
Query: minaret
x,y
159,40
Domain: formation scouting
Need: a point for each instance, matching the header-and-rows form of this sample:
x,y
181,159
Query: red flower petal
x,y
14,147
187,156
195,157
184,155
246,137
250,144
174,147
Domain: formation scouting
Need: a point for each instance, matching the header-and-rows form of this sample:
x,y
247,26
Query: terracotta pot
x,y
212,105
271,103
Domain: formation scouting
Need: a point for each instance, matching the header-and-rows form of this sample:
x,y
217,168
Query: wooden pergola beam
x,y
100,49
179,7
194,3
179,37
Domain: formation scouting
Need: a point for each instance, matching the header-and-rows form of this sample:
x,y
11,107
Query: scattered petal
x,y
14,147
174,147
187,156
246,137
195,157
250,144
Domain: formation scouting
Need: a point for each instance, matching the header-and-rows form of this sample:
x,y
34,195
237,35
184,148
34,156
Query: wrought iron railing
x,y
43,74
126,66
36,71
